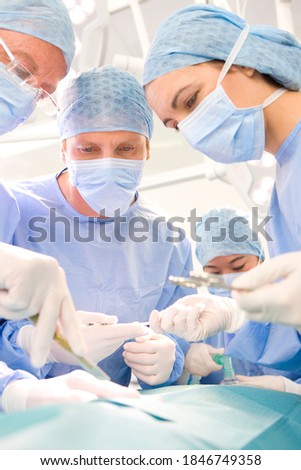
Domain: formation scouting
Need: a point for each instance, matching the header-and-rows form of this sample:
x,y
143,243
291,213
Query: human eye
x,y
22,73
239,268
191,102
88,150
126,149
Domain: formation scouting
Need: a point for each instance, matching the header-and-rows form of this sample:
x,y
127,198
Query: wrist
x,y
236,318
25,338
15,395
291,387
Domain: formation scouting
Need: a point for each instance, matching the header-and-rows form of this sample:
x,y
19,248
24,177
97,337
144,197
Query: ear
x,y
147,149
248,71
63,151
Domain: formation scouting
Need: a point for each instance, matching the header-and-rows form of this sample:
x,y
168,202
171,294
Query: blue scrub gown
x,y
285,209
110,267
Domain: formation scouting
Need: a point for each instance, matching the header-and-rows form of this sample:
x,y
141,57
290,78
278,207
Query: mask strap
x,y
274,96
233,54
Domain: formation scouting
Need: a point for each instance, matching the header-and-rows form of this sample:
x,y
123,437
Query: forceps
x,y
202,279
84,362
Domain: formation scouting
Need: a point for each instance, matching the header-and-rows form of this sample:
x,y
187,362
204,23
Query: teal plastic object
x,y
179,417
229,374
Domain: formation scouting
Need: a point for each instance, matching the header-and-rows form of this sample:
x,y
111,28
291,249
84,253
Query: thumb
x,y
87,318
147,337
155,321
267,272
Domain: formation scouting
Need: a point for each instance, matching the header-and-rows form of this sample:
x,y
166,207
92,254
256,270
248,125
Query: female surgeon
x,y
226,246
232,90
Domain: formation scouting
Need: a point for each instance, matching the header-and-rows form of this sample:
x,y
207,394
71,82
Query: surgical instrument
x,y
229,374
83,361
203,279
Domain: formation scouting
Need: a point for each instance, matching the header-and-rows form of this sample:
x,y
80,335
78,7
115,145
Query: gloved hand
x,y
77,387
198,360
195,317
151,358
31,283
269,301
271,382
101,333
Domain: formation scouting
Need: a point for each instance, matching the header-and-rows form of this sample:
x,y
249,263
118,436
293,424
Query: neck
x,y
280,119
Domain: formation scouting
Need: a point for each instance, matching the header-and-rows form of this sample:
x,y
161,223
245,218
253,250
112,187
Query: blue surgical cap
x,y
103,99
44,19
226,231
201,33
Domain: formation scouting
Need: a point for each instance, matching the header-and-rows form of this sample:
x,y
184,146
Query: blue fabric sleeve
x,y
10,214
14,356
175,373
8,375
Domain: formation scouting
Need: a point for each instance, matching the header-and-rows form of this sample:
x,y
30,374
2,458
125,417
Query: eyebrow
x,y
213,266
32,65
237,259
174,103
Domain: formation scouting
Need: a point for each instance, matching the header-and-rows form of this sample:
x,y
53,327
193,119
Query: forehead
x,y
161,91
107,137
43,59
223,261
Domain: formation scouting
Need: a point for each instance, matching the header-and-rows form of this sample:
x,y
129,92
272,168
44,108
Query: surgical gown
x,y
9,214
115,267
265,344
285,208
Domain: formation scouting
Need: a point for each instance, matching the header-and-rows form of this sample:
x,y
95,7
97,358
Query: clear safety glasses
x,y
23,77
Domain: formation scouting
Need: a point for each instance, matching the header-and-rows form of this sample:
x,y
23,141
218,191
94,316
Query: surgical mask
x,y
222,131
227,279
107,184
17,101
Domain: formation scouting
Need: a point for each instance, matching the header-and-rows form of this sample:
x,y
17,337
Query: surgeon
x,y
117,251
36,51
227,246
232,90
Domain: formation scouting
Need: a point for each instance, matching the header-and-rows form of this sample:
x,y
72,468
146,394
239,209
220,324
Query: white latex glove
x,y
195,317
271,382
151,358
269,301
77,386
198,360
101,333
31,283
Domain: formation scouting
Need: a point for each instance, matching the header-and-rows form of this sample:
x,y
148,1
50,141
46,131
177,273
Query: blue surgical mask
x,y
227,279
107,184
222,131
17,101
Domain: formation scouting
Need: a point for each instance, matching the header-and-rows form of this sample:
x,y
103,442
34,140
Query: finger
x,y
147,347
71,327
168,319
140,359
45,329
148,337
93,317
103,389
213,350
143,374
265,273
264,298
154,321
195,326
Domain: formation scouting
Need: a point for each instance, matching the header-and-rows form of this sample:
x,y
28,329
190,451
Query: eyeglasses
x,y
23,77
